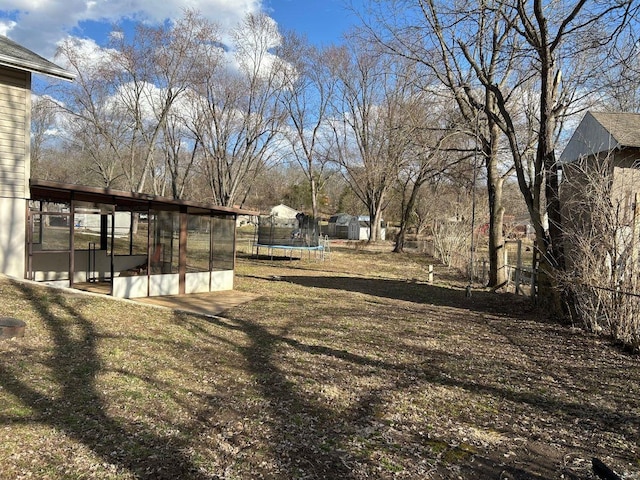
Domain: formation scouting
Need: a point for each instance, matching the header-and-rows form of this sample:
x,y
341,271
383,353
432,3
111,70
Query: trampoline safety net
x,y
302,231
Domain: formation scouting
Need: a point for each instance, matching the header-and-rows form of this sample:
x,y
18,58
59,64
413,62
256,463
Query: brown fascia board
x,y
65,191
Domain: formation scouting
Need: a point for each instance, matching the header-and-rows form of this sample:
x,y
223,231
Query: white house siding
x,y
12,236
15,121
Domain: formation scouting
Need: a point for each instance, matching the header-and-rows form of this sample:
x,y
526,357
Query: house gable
x,y
600,132
16,57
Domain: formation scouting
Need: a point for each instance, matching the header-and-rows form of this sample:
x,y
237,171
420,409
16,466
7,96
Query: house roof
x,y
285,209
16,56
64,192
602,132
623,127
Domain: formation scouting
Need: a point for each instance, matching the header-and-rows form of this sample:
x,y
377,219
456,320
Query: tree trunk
x,y
497,267
552,258
407,210
314,194
374,223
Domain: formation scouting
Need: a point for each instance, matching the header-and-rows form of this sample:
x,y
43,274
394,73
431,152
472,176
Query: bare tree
x,y
506,46
368,117
119,104
310,85
239,113
43,121
431,33
180,150
426,125
95,124
556,36
621,90
153,70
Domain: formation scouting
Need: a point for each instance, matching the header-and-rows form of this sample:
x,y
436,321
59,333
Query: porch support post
x,y
182,262
104,231
72,243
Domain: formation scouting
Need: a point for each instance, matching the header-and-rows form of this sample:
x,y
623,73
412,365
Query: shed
x,y
360,228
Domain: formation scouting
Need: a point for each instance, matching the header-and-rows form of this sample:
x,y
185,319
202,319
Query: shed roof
x,y
602,132
64,192
16,56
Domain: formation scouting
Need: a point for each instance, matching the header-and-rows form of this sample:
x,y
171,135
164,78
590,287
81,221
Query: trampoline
x,y
289,235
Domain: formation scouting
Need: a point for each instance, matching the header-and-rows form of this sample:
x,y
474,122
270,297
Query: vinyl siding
x,y
15,120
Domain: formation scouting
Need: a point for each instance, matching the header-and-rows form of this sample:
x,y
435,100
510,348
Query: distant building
x,y
360,228
338,226
283,211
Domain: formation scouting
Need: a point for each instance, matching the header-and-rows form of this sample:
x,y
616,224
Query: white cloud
x,y
6,26
41,24
87,54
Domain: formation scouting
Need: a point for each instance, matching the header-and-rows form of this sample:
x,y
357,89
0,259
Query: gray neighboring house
x,y
338,226
17,64
607,145
602,134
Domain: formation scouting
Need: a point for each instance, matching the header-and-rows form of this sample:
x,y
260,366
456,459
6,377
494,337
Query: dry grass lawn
x,y
352,368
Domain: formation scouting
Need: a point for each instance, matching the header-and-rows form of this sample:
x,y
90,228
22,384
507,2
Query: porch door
x,y
49,245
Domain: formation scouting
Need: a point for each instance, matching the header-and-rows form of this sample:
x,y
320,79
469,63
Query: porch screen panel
x,y
51,231
50,246
131,233
165,244
198,243
223,242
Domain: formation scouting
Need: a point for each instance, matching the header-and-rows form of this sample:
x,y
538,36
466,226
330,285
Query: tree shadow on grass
x,y
297,446
78,409
480,301
498,379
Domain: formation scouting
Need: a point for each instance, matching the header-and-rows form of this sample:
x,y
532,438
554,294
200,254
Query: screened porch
x,y
126,244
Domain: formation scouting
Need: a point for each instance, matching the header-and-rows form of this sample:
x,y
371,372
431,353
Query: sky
x,y
41,24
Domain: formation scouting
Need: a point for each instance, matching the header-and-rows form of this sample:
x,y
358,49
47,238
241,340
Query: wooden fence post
x,y
518,280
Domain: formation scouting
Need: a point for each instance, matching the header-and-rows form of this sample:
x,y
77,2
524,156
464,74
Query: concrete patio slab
x,y
210,303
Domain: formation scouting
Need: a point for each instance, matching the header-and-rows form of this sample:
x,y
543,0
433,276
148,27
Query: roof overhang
x,y
128,201
31,67
15,56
